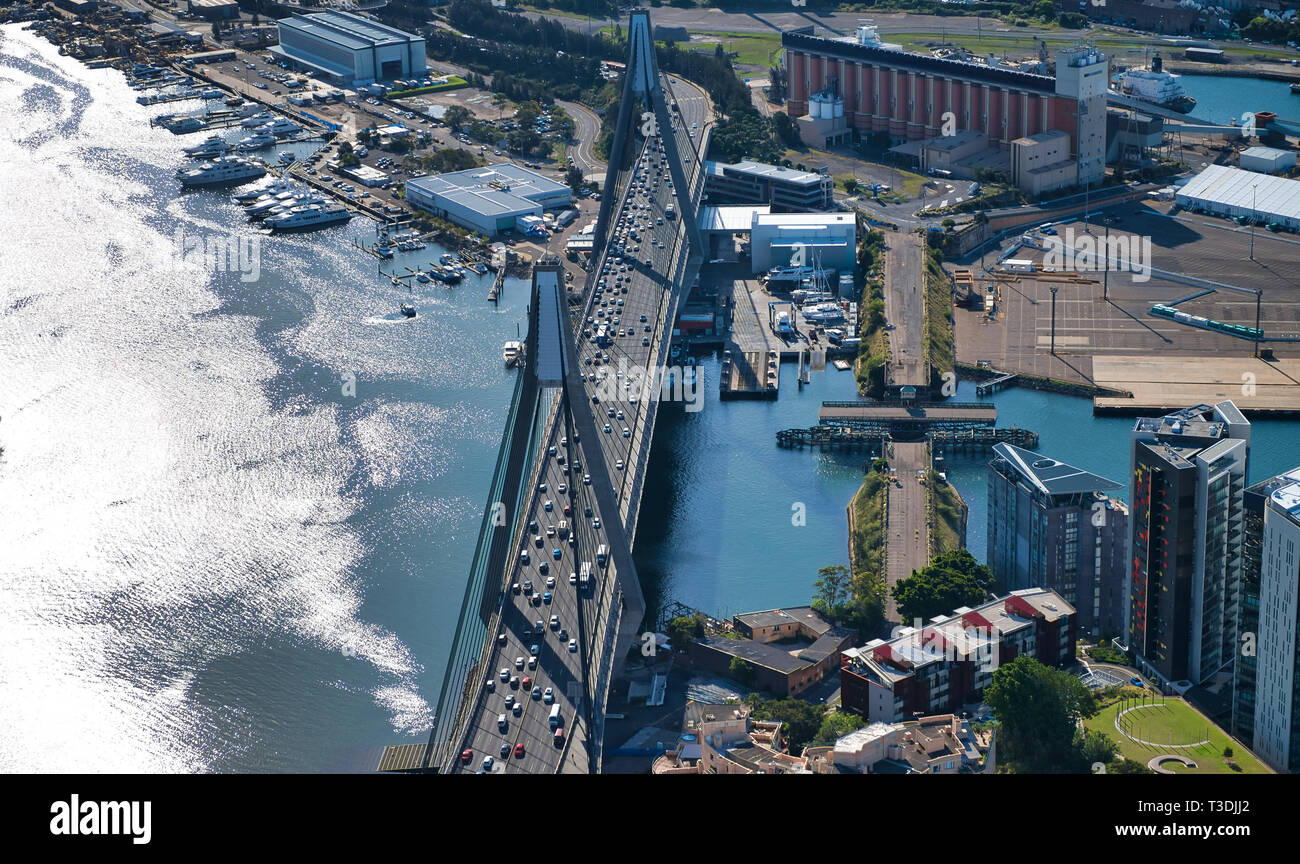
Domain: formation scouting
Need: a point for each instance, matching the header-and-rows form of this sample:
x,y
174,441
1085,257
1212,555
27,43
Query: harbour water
x,y
236,515
718,528
214,557
1223,99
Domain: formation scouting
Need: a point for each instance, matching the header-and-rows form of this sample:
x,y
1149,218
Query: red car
x,y
466,755
559,736
519,750
528,683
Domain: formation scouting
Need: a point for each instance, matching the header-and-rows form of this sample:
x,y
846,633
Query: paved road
x,y
586,128
908,538
904,308
630,300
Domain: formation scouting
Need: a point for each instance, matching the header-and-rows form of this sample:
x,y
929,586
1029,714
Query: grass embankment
x,y
873,352
750,49
949,516
1113,44
867,525
1175,717
939,338
450,84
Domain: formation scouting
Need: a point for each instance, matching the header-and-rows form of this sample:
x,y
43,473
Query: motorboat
x,y
275,187
512,352
256,120
308,218
408,310
221,171
287,157
260,141
213,146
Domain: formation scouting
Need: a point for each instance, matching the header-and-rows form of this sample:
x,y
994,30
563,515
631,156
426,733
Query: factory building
x,y
1267,160
489,200
914,97
1234,193
349,49
825,240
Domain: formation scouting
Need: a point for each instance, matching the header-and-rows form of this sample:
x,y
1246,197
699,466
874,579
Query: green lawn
x,y
1177,717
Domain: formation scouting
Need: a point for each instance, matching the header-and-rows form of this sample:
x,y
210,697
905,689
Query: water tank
x,y
815,106
839,108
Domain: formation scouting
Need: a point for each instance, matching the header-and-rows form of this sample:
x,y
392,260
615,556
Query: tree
x,y
833,589
948,224
742,671
1038,709
1095,747
573,178
1127,766
683,630
799,720
835,725
456,116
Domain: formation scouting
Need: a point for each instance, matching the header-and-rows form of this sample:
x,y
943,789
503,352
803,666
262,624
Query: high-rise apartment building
x,y
1266,701
1051,525
1188,472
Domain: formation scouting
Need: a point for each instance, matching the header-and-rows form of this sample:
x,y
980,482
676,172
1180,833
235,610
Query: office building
x,y
1266,701
749,182
349,49
942,665
1188,474
1051,525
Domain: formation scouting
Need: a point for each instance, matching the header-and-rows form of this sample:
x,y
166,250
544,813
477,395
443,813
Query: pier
x,y
750,375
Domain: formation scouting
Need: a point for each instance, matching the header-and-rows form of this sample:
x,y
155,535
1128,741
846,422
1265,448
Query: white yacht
x,y
823,313
275,187
264,206
226,169
256,142
287,157
308,218
281,128
512,352
213,146
306,199
257,120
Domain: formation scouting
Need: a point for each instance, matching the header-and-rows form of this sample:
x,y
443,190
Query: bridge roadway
x,y
561,480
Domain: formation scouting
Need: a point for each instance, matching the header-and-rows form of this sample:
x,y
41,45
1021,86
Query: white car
x,y
573,646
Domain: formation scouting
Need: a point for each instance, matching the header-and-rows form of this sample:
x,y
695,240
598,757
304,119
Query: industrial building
x,y
1267,160
749,182
489,200
825,240
947,662
214,10
1041,163
349,49
1234,193
1051,525
1186,514
787,650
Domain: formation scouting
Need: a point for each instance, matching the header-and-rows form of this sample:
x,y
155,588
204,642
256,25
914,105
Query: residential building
x,y
1266,706
939,666
725,739
1051,525
943,744
1186,516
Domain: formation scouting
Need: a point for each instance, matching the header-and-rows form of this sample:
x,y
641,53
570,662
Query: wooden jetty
x,y
976,441
494,293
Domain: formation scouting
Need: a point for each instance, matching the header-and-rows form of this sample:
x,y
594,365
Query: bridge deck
x,y
898,412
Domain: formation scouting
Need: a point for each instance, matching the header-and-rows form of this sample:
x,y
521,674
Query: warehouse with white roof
x,y
1233,193
488,200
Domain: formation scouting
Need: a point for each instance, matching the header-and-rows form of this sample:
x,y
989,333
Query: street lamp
x,y
1054,289
1252,221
